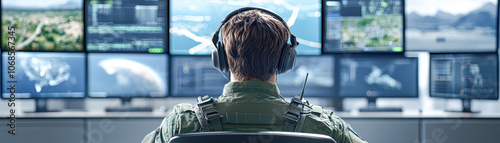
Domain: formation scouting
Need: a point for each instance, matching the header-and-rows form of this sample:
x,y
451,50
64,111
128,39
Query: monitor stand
x,y
338,105
41,106
127,107
372,107
466,107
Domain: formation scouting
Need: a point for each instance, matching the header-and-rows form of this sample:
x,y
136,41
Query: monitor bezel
x,y
84,33
470,53
333,91
167,76
178,95
415,59
46,52
166,40
497,20
323,33
320,31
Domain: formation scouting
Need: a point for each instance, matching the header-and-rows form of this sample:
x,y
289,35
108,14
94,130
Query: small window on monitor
x,y
320,82
196,76
45,75
193,22
464,76
378,76
451,26
363,26
43,25
126,25
127,75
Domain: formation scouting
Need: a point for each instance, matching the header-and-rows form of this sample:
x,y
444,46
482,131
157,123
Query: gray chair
x,y
251,137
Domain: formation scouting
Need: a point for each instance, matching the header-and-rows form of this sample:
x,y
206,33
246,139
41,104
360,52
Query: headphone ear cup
x,y
215,59
287,59
219,58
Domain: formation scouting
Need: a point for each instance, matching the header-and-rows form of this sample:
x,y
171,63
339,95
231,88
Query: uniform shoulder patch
x,y
183,107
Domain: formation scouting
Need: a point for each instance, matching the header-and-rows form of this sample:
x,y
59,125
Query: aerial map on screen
x,y
44,25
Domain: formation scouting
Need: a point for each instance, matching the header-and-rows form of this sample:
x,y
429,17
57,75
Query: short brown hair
x,y
253,41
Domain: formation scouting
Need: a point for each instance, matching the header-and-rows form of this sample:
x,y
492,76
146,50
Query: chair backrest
x,y
251,137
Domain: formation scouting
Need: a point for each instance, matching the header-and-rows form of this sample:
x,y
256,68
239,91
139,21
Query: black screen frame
x,y
85,93
497,39
167,81
338,70
167,38
323,33
478,53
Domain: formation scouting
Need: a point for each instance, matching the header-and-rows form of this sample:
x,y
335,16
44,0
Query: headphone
x,y
288,53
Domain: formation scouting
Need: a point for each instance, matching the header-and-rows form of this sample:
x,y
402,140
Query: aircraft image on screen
x,y
192,23
378,76
451,25
44,25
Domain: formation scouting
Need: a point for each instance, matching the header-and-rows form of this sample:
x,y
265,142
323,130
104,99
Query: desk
x,y
102,127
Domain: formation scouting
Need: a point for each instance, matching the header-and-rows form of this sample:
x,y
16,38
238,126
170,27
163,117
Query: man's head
x,y
253,42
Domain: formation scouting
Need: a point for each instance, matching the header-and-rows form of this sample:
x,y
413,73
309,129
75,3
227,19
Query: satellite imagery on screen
x,y
44,25
47,75
192,23
127,75
363,26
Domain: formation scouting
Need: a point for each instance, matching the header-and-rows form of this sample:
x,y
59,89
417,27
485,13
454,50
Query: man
x,y
255,41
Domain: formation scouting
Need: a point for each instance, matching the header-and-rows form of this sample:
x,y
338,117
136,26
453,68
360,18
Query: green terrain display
x,y
380,33
44,30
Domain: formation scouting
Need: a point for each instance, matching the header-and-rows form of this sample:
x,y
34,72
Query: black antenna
x,y
303,88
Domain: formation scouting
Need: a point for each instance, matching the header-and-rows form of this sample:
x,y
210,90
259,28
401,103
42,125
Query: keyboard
x,y
381,109
129,109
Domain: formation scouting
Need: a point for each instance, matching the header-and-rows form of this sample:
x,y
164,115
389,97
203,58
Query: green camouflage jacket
x,y
183,118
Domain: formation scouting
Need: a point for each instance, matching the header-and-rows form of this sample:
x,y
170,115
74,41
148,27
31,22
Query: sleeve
x,y
343,132
182,119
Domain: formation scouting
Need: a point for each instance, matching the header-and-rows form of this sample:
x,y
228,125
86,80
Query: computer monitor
x,y
126,25
42,75
43,25
193,22
464,76
320,82
121,75
368,26
451,26
194,76
377,76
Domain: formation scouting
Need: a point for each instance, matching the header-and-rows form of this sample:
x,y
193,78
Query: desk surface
x,y
346,115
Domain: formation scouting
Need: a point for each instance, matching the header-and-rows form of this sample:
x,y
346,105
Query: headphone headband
x,y
287,57
215,38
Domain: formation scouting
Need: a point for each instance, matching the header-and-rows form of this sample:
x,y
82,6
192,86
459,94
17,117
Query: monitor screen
x,y
363,26
193,22
44,75
320,82
127,75
43,25
378,76
464,76
196,76
126,25
451,25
